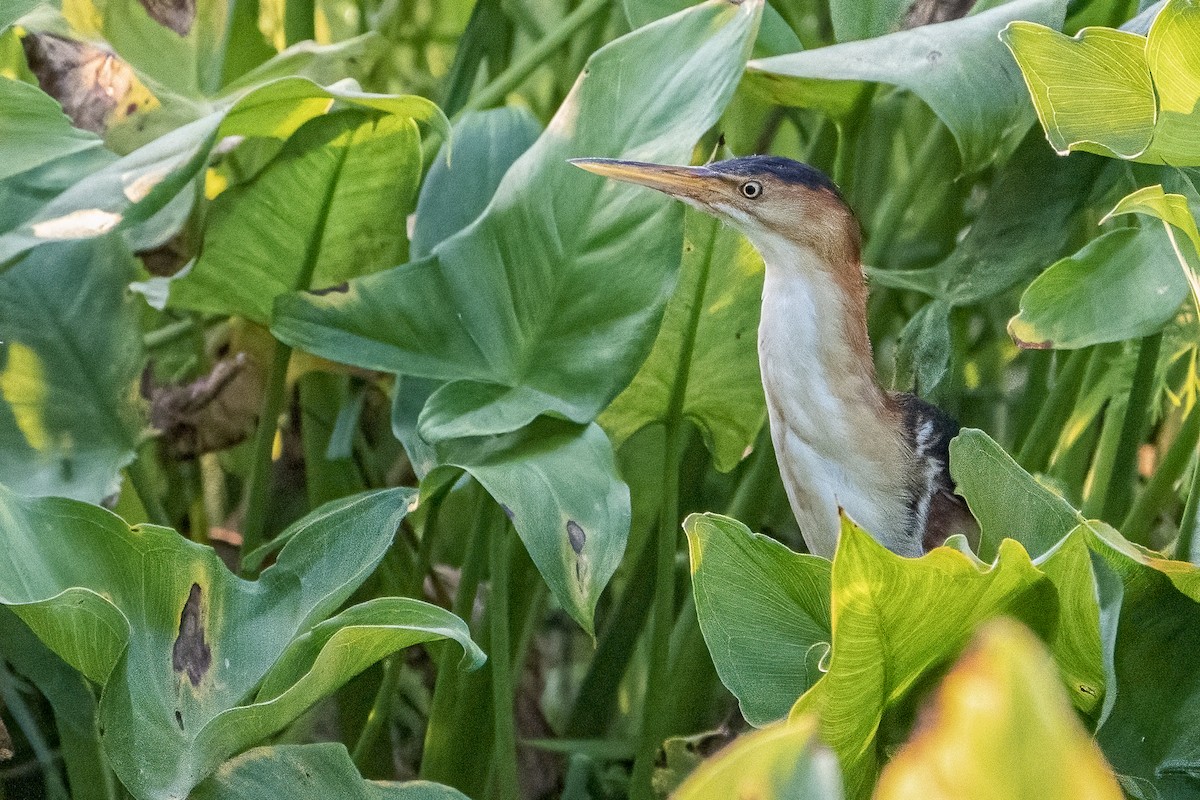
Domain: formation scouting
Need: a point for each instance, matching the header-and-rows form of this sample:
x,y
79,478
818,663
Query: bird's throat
x,y
838,439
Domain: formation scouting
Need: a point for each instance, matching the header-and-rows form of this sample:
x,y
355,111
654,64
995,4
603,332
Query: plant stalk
x,y
1140,518
504,742
1189,525
261,463
1137,417
1038,444
508,80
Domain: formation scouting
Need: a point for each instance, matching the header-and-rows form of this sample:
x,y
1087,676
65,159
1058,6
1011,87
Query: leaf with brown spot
x,y
576,536
178,15
94,86
191,654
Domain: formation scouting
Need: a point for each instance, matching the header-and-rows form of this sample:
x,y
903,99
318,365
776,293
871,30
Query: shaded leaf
x,y
1006,499
518,310
957,68
70,356
1122,285
999,727
1151,629
708,340
785,760
764,612
486,143
1174,211
122,604
34,131
311,770
775,36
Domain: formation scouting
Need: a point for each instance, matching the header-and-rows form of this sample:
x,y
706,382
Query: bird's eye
x,y
751,189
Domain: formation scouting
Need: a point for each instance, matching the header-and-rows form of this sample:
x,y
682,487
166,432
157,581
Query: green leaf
x,y
70,357
896,619
957,68
1006,499
764,612
486,143
866,19
559,486
1175,212
1117,93
132,189
1151,628
34,130
1092,92
549,302
331,206
1022,741
783,761
122,604
1122,285
708,340
310,770
775,36
321,63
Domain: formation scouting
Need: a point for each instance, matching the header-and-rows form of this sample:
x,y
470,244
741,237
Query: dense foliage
x,y
347,431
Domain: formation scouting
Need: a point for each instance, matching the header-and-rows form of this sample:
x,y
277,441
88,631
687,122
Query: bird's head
x,y
775,202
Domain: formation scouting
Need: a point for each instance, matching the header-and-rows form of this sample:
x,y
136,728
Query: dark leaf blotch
x,y
576,536
191,654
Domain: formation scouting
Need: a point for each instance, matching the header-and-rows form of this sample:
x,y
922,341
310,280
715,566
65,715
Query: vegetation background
x,y
347,431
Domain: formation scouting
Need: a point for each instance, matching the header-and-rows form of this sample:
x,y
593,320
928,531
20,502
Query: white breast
x,y
835,445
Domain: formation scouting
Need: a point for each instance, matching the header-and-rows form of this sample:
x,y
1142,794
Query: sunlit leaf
x,y
708,340
1175,213
331,206
180,644
999,727
785,760
764,611
958,68
70,356
895,620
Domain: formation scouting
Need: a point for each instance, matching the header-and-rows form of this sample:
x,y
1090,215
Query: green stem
x,y
299,21
169,333
1042,435
1137,416
891,211
1104,457
381,711
655,704
524,66
261,464
24,718
1189,525
1150,502
143,484
504,742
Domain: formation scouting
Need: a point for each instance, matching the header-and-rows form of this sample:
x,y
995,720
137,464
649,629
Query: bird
x,y
844,444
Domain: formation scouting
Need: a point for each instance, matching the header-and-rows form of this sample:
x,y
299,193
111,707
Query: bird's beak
x,y
698,184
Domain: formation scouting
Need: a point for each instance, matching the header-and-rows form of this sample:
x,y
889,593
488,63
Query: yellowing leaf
x,y
999,728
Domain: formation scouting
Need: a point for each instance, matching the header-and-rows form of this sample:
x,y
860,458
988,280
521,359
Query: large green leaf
x,y
1122,285
197,664
957,68
999,728
764,612
70,356
34,130
1006,499
331,206
1152,634
1114,92
896,619
132,189
775,36
708,342
866,19
557,482
550,300
783,762
312,770
486,143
